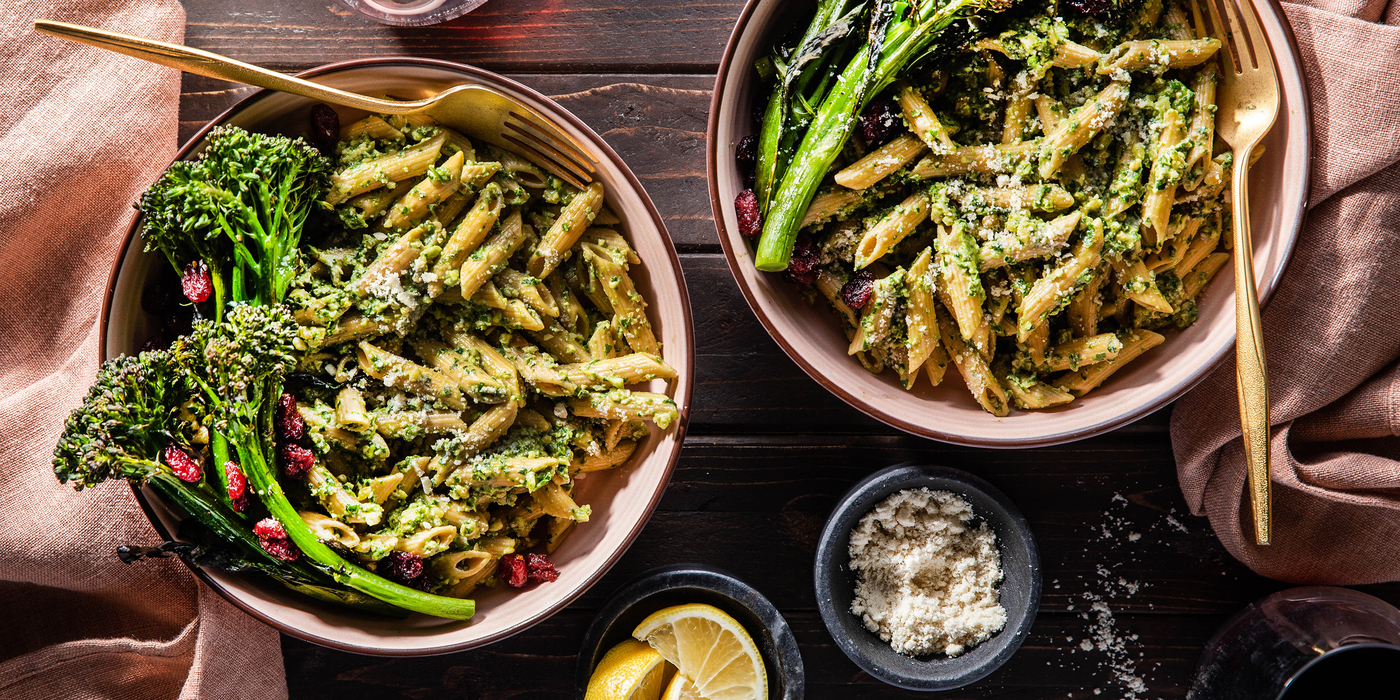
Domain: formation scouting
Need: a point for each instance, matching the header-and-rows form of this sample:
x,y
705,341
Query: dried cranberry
x,y
237,486
880,122
282,549
857,292
270,529
513,570
182,463
401,567
290,425
746,208
746,153
806,259
296,460
273,539
196,282
155,342
541,568
1091,7
325,126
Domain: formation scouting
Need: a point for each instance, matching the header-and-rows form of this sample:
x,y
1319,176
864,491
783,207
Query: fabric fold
x,y
83,131
1330,334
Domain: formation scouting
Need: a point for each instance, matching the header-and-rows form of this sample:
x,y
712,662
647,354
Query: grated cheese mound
x,y
925,579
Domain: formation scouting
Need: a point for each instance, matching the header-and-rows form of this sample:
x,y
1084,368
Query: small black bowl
x,y
695,583
836,583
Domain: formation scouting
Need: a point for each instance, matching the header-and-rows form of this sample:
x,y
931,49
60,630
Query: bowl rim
x,y
831,547
683,400
717,580
1267,285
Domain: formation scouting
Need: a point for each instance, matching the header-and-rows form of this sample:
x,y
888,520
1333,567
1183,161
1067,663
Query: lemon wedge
x,y
710,649
629,671
680,689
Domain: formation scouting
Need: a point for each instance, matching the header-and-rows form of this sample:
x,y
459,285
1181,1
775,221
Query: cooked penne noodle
x,y
628,307
1081,125
881,162
465,239
1083,310
1162,180
440,183
1049,291
573,219
973,368
397,372
350,410
920,320
562,345
620,404
965,160
1081,352
921,120
396,167
533,292
612,457
330,530
1139,284
958,264
829,204
1158,55
1135,343
1202,132
891,229
380,278
371,126
1193,283
1031,238
1031,394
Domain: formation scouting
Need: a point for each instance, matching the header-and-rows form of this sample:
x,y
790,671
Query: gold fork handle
x,y
212,65
1251,380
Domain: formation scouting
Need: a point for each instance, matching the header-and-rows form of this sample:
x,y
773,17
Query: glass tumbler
x,y
411,13
1288,645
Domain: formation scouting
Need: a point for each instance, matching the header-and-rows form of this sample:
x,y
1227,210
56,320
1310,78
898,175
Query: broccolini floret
x,y
131,413
241,208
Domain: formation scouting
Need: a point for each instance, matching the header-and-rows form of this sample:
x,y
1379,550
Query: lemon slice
x,y
710,649
681,689
629,671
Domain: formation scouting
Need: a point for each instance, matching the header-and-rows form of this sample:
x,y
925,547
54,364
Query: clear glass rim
x,y
417,14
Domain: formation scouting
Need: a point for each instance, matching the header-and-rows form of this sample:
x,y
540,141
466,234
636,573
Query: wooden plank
x,y
541,664
503,35
656,123
1116,513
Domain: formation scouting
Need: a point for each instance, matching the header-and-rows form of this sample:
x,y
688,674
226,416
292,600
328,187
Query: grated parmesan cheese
x,y
925,578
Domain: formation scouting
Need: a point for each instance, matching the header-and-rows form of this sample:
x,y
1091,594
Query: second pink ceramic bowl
x,y
811,335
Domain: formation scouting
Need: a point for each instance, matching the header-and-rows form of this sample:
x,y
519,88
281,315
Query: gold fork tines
x,y
1247,103
477,110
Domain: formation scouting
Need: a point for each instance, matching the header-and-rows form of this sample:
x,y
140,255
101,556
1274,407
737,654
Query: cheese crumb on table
x,y
925,578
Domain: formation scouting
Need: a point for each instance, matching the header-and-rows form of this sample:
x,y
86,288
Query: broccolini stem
x,y
863,78
218,445
264,482
778,133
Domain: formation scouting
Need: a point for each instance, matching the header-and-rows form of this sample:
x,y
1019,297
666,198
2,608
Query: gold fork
x,y
1248,102
474,109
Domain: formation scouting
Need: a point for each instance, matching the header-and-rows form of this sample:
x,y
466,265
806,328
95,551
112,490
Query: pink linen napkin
x,y
82,132
1332,333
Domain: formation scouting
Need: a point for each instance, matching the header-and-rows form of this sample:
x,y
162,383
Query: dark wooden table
x,y
769,451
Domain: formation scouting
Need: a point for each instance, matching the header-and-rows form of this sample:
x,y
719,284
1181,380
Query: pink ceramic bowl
x,y
622,500
810,333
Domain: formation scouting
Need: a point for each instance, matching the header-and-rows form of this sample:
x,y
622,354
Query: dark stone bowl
x,y
835,582
696,583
